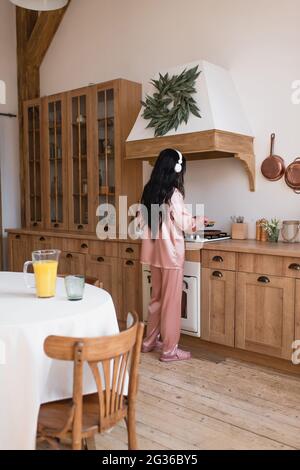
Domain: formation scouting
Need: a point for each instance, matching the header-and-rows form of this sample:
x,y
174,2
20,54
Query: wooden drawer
x,y
129,251
103,248
219,260
252,263
44,242
76,245
291,267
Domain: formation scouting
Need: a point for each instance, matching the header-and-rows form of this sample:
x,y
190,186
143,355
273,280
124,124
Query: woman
x,y
163,249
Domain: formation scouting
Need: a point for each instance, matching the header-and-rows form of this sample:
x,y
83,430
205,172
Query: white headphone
x,y
178,166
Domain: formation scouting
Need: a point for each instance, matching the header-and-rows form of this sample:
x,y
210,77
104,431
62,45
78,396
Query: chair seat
x,y
54,416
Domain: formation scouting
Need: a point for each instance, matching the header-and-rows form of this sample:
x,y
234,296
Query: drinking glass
x,y
75,287
45,264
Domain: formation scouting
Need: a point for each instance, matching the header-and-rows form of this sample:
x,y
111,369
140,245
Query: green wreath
x,y
172,103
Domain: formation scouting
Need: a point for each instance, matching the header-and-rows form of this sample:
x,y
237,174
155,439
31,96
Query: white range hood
x,y
222,131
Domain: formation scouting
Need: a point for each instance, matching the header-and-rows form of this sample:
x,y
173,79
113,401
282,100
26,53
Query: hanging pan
x,y
273,166
292,175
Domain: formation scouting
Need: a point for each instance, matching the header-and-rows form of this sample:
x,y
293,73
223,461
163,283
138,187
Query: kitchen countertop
x,y
249,246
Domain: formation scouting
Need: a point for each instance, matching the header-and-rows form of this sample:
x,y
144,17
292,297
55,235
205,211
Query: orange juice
x,y
45,277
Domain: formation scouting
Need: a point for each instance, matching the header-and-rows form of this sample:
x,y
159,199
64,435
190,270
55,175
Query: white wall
x,y
9,152
257,40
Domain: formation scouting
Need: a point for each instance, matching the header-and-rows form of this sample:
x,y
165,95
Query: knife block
x,y
239,231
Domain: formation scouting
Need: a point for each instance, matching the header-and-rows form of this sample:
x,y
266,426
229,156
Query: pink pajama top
x,y
167,249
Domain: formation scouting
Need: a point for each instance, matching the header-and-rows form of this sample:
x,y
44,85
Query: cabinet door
x,y
265,314
131,287
19,251
71,263
33,164
217,306
55,152
105,269
81,161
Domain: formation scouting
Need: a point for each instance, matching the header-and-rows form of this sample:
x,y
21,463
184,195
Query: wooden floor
x,y
212,403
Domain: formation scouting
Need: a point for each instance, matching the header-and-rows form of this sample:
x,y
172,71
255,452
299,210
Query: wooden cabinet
x,y
218,306
106,270
131,288
33,165
19,251
265,314
71,263
55,162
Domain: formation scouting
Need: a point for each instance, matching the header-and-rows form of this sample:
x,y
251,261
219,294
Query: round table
x,y
27,376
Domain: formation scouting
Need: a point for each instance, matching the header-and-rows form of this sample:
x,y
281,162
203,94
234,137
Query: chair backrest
x,y
110,355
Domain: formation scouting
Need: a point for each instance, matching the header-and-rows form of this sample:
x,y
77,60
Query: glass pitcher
x,y
45,264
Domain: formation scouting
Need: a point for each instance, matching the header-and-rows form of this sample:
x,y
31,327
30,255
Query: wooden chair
x,y
93,281
81,417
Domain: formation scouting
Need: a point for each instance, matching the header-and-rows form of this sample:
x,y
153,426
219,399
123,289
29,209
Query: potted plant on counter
x,y
272,229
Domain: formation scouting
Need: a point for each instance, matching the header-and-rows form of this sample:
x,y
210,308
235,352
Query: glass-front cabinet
x,y
81,161
33,164
106,148
56,160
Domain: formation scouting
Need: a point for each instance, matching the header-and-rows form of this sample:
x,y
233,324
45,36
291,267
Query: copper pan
x,y
273,167
292,175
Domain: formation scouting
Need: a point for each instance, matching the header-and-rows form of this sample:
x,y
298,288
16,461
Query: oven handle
x,y
186,285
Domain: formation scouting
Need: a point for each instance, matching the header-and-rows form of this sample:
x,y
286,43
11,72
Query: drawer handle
x,y
84,246
129,250
100,259
18,237
42,239
80,227
264,279
217,274
129,263
294,266
218,259
35,224
69,256
56,225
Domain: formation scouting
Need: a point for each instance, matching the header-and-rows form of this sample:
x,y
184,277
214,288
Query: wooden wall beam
x,y
43,32
35,32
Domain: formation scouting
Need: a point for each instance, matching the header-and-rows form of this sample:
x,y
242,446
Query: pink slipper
x,y
157,346
179,355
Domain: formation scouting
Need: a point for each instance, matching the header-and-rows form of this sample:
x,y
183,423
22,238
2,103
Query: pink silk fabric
x,y
167,250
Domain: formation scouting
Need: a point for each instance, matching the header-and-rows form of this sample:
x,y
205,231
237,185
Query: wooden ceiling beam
x,y
42,34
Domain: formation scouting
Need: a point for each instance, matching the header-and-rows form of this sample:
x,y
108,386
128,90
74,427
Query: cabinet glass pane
x,y
106,151
55,161
34,156
79,160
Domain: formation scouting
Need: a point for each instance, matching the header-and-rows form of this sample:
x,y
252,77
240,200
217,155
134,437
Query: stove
x,y
206,236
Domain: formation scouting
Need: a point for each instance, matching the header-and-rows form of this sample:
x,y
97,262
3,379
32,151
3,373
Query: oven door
x,y
190,312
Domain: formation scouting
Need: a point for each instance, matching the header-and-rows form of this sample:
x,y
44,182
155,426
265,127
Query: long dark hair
x,y
163,181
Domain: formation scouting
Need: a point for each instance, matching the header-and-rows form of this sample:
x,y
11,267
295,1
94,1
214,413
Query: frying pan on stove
x,y
273,167
292,175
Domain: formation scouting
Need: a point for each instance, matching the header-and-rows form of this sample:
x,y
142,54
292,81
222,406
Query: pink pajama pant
x,y
164,314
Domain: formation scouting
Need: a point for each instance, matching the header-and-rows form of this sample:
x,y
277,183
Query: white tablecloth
x,y
27,377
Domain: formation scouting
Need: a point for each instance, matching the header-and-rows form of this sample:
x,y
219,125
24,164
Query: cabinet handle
x,y
129,263
129,250
264,279
35,224
84,246
69,256
80,227
100,259
18,237
56,225
294,266
217,274
218,259
42,239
